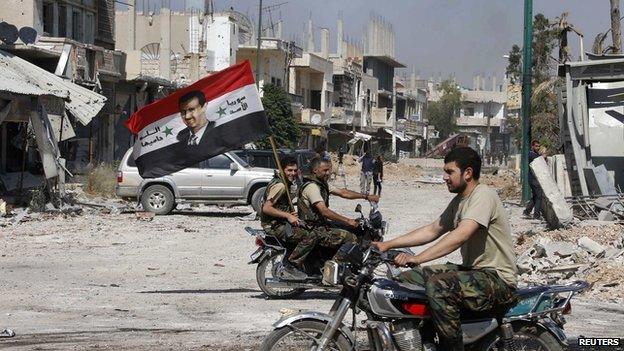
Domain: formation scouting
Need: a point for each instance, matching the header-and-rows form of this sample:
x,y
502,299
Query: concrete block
x,y
560,249
557,211
605,216
591,246
598,182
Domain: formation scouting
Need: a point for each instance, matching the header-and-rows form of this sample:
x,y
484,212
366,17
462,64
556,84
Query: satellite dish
x,y
8,33
28,35
316,119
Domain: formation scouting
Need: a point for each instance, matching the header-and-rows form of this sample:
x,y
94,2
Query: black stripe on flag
x,y
215,141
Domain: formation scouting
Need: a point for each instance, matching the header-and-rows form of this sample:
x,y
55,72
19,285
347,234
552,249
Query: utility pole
x,y
258,48
393,116
616,34
526,97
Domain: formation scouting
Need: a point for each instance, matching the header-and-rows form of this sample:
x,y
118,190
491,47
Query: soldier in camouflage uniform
x,y
279,219
313,207
476,223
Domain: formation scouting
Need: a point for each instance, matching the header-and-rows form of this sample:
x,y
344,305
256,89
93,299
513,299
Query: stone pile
x,y
557,258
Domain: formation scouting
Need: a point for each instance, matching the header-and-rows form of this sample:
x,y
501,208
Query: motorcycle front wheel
x,y
303,335
267,268
526,337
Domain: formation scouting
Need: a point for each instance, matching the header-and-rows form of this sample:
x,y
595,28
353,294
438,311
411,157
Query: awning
x,y
359,136
19,76
400,135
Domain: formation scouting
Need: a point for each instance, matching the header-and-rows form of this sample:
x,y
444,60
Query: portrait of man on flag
x,y
218,113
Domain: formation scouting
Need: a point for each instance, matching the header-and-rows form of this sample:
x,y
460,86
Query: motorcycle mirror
x,y
358,208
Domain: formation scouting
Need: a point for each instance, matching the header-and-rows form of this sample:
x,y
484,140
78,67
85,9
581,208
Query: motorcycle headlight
x,y
331,273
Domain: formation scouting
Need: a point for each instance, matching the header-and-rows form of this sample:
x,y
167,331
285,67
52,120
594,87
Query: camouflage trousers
x,y
451,288
307,239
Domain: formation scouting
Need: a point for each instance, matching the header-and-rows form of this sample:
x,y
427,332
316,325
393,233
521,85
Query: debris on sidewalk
x,y
7,333
145,216
593,251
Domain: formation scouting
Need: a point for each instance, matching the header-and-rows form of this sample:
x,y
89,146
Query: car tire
x,y
256,199
158,199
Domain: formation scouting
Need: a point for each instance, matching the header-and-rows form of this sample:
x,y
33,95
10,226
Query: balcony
x,y
341,115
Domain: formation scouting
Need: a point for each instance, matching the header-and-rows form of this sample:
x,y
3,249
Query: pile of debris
x,y
75,203
506,183
589,252
401,170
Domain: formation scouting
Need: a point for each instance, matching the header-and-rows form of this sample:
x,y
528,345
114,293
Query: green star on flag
x,y
221,111
168,131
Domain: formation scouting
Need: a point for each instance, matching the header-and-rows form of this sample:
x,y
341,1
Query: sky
x,y
433,37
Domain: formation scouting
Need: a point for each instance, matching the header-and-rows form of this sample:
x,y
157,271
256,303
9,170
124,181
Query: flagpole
x,y
281,172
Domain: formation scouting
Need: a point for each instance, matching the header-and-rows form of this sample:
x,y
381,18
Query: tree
x,y
514,65
284,128
544,118
443,113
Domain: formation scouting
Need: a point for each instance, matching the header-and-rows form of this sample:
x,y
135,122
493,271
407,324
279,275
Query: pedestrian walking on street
x,y
366,176
377,175
535,204
340,155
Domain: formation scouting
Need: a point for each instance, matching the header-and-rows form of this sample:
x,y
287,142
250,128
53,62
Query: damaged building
x,y
37,111
74,40
591,113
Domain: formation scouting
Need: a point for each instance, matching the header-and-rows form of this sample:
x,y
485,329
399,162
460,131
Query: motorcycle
x,y
272,252
398,317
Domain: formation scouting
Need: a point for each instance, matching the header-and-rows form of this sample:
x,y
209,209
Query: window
x,y
62,31
77,26
89,28
48,18
469,111
219,162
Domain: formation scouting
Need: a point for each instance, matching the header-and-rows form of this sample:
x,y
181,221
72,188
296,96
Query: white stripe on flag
x,y
234,104
224,109
158,134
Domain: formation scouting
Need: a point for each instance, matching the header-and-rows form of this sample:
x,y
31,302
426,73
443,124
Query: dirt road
x,y
178,282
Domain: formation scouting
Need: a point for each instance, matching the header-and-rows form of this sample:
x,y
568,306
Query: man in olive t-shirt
x,y
476,223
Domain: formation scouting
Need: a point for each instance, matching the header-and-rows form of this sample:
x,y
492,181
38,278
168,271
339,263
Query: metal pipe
x,y
334,324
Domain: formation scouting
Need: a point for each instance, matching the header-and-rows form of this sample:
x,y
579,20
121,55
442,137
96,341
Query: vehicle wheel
x,y
303,335
526,337
256,199
158,199
267,269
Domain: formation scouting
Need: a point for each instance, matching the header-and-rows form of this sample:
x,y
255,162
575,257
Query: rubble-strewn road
x,y
177,282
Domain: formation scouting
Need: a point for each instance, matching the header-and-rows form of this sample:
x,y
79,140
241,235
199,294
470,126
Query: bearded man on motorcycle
x,y
328,228
476,222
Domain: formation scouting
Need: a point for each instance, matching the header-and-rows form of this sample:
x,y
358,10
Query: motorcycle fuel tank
x,y
388,298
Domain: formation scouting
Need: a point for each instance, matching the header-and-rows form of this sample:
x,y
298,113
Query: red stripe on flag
x,y
213,86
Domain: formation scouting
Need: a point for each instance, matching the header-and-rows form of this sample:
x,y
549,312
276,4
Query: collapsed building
x,y
591,112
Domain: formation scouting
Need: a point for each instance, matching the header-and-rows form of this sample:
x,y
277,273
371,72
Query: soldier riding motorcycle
x,y
294,247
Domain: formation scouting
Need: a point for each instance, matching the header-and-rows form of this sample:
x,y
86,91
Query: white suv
x,y
224,179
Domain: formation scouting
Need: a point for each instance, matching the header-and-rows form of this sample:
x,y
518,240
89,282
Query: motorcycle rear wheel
x,y
267,269
526,337
302,335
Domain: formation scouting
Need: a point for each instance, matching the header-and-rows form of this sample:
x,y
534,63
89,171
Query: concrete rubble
x,y
557,211
591,251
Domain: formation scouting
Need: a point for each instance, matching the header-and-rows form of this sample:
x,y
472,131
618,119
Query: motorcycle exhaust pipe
x,y
276,283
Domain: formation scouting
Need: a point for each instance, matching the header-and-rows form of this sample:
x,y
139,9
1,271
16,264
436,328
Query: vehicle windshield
x,y
239,160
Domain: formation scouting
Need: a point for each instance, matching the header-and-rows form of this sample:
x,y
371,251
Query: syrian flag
x,y
179,131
